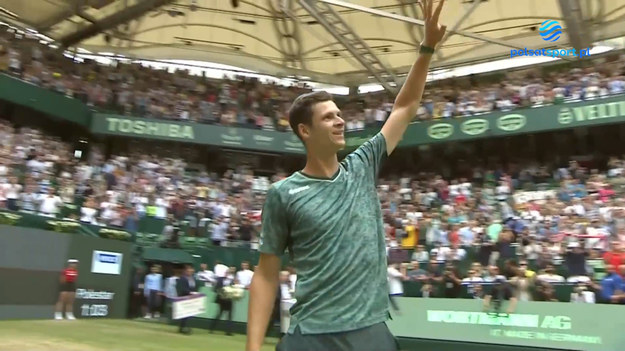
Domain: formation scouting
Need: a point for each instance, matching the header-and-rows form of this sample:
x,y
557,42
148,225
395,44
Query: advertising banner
x,y
554,325
103,283
504,123
106,262
197,133
188,306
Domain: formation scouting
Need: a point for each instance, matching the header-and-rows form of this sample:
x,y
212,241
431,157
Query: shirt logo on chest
x,y
297,190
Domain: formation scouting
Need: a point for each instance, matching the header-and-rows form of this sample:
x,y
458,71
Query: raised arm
x,y
409,98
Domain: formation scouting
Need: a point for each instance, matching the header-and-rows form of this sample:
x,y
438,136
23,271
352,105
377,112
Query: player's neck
x,y
321,166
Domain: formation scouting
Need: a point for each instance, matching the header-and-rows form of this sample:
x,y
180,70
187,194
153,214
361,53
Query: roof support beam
x,y
380,13
343,33
461,20
576,29
112,21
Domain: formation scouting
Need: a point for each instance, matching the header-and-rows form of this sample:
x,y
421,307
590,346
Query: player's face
x,y
328,127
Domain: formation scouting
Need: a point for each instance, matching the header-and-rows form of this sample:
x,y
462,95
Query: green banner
x,y
555,325
46,101
497,124
230,137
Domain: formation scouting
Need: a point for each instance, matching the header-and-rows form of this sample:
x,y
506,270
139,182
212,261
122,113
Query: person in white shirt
x,y
50,204
244,276
88,212
12,192
221,270
581,294
205,275
287,300
439,252
549,276
395,283
472,282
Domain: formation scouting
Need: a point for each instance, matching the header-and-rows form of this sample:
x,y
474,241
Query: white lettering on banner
x,y
94,295
150,128
591,112
94,310
189,306
526,196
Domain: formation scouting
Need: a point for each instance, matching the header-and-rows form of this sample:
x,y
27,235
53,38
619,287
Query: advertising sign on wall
x,y
106,262
533,324
103,283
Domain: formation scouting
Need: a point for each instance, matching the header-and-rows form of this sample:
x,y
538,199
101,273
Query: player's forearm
x,y
409,96
262,297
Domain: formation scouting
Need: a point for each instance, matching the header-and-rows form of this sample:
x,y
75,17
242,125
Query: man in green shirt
x,y
329,218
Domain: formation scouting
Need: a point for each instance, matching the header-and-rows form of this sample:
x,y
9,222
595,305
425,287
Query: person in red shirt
x,y
68,291
616,257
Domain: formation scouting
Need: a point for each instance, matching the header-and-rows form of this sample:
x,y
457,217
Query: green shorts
x,y
374,338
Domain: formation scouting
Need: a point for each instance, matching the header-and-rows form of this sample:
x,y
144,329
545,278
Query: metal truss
x,y
343,33
287,30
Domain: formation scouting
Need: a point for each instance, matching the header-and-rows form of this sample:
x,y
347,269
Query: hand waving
x,y
433,31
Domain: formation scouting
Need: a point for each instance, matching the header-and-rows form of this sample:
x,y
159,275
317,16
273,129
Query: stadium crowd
x,y
568,223
136,90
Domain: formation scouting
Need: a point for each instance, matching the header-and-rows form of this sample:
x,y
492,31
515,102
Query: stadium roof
x,y
283,38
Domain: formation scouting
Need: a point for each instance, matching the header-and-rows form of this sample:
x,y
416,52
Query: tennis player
x,y
329,217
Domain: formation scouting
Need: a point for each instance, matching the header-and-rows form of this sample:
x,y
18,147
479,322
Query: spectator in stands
x,y
472,281
50,203
612,286
420,255
616,256
575,261
220,231
521,285
550,276
581,294
452,282
493,274
12,191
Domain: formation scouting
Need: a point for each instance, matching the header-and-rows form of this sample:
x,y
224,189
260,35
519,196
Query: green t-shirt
x,y
333,229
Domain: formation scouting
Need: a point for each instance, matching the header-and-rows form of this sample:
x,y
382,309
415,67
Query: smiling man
x,y
328,215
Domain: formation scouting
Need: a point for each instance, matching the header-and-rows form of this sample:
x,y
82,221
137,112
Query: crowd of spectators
x,y
461,233
571,218
136,90
571,225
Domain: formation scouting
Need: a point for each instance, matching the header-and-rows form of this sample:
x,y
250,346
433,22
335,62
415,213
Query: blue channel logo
x,y
550,30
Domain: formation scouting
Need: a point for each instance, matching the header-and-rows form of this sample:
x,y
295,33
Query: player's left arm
x,y
409,97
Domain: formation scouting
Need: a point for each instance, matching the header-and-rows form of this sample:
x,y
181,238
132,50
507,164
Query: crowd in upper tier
x,y
133,89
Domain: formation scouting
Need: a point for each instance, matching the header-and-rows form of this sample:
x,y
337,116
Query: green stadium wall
x,y
31,261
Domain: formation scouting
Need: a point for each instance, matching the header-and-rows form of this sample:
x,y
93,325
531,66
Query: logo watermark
x,y
550,31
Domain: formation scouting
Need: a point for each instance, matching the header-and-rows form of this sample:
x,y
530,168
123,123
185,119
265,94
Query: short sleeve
x,y
371,154
274,231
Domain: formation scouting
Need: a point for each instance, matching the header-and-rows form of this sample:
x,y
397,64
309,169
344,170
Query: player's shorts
x,y
374,338
68,287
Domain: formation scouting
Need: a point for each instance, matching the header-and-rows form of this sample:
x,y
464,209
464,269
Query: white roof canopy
x,y
282,38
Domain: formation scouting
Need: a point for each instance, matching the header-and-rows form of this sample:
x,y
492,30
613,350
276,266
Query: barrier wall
x,y
31,261
461,324
557,325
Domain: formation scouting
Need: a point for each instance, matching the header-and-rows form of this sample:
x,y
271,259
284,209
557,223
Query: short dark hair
x,y
301,110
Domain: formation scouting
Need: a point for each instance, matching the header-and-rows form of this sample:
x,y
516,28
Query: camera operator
x,y
498,292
